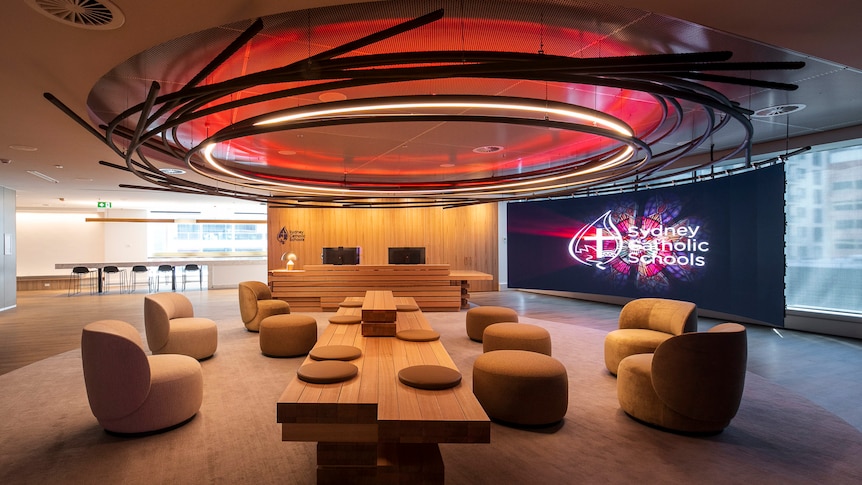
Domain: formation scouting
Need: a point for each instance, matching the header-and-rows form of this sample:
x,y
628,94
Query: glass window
x,y
210,240
833,252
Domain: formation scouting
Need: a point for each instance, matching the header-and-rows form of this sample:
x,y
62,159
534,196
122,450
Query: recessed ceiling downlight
x,y
172,171
780,110
487,149
84,14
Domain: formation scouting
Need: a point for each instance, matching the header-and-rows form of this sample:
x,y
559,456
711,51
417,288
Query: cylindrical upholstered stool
x,y
521,387
287,335
516,336
480,317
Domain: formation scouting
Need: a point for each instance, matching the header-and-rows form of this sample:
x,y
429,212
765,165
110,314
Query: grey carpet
x,y
48,435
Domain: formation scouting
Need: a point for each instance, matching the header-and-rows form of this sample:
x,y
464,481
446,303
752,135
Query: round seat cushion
x,y
417,335
624,342
335,352
521,387
516,336
433,377
350,304
327,371
480,317
345,319
407,308
287,335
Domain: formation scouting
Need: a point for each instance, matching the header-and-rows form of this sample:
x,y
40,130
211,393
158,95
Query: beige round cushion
x,y
350,304
327,371
407,308
345,319
521,387
480,317
287,335
335,352
417,335
516,336
433,377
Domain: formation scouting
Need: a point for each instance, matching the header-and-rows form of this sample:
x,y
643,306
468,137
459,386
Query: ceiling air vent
x,y
84,14
780,110
487,149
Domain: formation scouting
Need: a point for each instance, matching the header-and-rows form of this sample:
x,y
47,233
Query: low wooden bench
x,y
372,426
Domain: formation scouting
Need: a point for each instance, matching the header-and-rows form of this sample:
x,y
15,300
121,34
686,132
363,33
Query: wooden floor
x,y
824,369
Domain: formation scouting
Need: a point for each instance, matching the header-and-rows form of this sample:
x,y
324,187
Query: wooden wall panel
x,y
464,238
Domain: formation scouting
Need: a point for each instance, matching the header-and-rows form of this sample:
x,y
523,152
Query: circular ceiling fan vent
x,y
780,110
84,14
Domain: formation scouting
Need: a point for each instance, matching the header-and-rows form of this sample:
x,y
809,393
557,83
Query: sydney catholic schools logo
x,y
598,243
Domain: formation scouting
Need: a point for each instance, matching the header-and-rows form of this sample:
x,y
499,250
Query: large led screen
x,y
718,243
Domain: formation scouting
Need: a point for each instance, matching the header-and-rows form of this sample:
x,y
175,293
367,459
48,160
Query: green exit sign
x,y
103,205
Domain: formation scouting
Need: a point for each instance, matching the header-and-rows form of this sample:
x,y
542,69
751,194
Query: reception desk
x,y
322,287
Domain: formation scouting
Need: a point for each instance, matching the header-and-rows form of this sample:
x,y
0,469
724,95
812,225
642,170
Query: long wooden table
x,y
321,287
372,428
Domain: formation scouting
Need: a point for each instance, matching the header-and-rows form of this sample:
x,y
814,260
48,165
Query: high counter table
x,y
373,428
173,262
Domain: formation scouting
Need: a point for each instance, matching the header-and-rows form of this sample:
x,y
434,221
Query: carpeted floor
x,y
48,435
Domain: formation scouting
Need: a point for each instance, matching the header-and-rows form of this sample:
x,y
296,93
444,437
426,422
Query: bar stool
x,y
116,273
133,277
166,270
193,268
78,274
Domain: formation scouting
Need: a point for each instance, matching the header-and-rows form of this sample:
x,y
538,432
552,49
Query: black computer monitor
x,y
340,255
407,255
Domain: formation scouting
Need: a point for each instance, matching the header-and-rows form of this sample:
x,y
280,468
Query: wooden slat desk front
x,y
373,426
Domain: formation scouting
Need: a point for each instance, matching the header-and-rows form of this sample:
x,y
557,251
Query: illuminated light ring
x,y
345,112
244,129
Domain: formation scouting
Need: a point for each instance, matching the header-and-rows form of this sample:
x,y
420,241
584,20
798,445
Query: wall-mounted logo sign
x,y
284,235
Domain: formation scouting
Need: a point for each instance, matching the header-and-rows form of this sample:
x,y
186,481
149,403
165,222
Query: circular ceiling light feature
x,y
779,110
83,14
172,171
487,149
353,151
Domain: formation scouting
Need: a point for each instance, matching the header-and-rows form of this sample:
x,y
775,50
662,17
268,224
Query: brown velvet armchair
x,y
172,327
256,303
131,392
644,324
693,383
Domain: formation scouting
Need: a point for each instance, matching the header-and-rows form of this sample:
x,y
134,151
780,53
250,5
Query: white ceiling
x,y
41,55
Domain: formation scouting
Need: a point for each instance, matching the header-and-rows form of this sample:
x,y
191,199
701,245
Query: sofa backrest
x,y
702,374
116,368
249,294
159,310
669,316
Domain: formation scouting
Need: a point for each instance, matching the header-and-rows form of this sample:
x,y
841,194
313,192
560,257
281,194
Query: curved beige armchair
x,y
130,392
692,383
644,324
256,303
172,327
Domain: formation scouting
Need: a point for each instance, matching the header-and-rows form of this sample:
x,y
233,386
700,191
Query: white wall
x,y
47,238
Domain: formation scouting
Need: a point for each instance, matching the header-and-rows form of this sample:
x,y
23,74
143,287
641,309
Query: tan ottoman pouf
x,y
516,336
480,317
521,387
287,335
